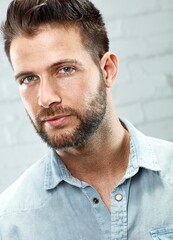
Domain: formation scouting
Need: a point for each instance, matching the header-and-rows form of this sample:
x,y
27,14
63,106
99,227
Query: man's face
x,y
61,87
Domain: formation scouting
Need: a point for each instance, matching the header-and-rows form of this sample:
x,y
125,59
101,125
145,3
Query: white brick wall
x,y
141,34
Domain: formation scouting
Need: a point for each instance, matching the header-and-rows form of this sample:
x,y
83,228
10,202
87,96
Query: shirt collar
x,y
141,156
56,172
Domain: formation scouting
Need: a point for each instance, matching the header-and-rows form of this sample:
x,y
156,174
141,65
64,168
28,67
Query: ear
x,y
109,66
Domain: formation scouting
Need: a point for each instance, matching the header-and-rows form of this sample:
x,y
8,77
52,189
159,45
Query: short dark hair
x,y
24,17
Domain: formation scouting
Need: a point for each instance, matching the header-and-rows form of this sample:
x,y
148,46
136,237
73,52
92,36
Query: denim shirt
x,y
48,203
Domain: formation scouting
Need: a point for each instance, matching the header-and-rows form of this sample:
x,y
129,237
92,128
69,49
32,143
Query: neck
x,y
105,155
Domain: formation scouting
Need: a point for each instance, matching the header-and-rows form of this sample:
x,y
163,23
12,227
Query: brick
x,y
160,129
123,75
157,65
158,109
17,159
125,93
131,112
122,8
136,47
166,4
3,7
148,24
15,125
114,29
170,81
141,88
8,89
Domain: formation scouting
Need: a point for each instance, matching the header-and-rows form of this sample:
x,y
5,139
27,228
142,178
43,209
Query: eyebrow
x,y
63,61
60,62
21,74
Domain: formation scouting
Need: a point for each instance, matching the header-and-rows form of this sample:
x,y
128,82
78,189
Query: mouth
x,y
56,121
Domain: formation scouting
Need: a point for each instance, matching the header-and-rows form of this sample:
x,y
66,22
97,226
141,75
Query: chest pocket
x,y
162,233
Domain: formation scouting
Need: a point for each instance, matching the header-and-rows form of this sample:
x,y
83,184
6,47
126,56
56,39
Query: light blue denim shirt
x,y
48,203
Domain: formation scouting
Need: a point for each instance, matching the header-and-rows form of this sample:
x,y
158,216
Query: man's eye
x,y
29,79
66,70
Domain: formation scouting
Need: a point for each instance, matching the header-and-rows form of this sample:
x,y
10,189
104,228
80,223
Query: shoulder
x,y
162,148
152,148
21,195
164,154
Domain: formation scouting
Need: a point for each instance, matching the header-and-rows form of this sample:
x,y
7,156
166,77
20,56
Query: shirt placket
x,y
119,215
101,212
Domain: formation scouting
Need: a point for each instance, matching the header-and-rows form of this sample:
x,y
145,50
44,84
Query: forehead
x,y
50,44
46,37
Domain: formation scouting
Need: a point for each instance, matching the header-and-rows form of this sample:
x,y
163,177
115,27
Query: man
x,y
102,179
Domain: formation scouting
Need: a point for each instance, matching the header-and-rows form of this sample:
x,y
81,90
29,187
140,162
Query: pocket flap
x,y
162,233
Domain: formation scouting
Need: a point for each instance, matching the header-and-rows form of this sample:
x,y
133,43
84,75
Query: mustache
x,y
54,111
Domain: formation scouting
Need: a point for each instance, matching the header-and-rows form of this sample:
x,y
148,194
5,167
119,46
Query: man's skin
x,y
54,68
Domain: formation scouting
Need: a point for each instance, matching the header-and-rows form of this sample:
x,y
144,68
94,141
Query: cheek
x,y
79,96
29,102
85,88
74,93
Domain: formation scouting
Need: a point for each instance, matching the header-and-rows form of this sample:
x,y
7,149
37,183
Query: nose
x,y
48,93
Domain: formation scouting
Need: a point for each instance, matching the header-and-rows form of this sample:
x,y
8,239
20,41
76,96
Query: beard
x,y
89,121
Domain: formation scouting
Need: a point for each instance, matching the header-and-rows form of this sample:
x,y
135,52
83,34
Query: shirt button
x,y
119,197
95,200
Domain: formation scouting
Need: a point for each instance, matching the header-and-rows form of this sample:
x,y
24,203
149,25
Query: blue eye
x,y
66,70
29,79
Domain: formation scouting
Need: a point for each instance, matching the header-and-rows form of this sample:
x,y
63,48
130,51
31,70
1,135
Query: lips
x,y
53,118
56,120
